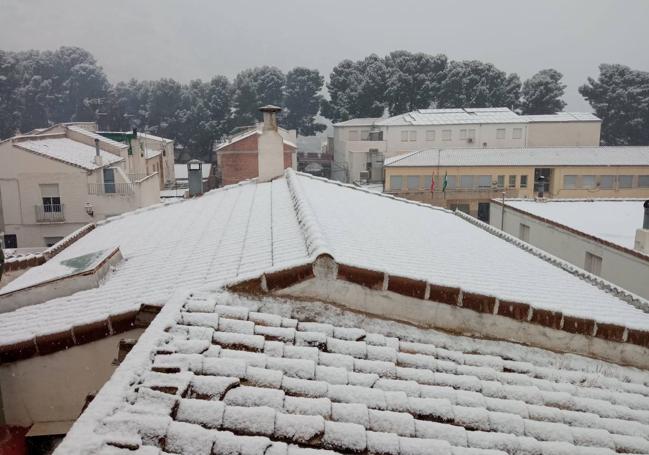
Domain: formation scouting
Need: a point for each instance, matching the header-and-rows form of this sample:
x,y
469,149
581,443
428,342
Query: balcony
x,y
107,189
50,213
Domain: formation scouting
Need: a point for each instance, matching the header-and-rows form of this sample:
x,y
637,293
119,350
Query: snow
x,y
615,221
180,170
265,408
69,151
244,230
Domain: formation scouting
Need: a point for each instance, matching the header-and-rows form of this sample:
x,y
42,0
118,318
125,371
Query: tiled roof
x,y
224,374
253,130
542,156
68,151
246,230
613,220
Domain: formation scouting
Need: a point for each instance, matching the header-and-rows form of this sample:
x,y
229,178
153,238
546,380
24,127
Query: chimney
x,y
97,153
642,235
270,146
134,132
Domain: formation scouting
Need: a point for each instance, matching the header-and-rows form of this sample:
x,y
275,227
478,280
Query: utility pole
x,y
502,214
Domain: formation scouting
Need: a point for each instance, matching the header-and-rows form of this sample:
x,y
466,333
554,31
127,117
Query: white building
x,y
62,178
598,235
361,145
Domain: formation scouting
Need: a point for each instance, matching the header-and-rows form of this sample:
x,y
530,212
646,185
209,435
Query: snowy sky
x,y
199,38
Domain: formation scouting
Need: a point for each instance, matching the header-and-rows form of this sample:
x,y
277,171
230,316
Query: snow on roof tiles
x,y
245,230
257,378
613,220
542,156
68,151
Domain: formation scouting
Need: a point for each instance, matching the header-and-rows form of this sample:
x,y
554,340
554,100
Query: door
x,y
483,212
542,180
109,180
11,241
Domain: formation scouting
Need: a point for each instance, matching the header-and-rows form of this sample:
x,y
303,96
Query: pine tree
x,y
542,93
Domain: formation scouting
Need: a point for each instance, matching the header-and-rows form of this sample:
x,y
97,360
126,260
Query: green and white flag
x,y
445,183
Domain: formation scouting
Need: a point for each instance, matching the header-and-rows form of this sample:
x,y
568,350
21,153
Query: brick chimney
x,y
270,146
642,235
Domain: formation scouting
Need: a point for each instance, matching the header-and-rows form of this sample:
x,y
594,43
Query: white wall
x,y
618,267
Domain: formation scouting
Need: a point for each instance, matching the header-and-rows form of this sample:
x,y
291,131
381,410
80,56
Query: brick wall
x,y
239,162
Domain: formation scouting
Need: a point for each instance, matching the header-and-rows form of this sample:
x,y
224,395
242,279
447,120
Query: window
x,y
376,136
512,181
517,133
404,136
501,182
353,135
484,181
428,180
462,134
51,241
500,133
523,181
588,181
451,182
593,263
625,181
569,182
466,181
396,182
109,180
11,241
51,198
524,232
365,135
446,135
430,135
412,135
607,181
413,182
643,181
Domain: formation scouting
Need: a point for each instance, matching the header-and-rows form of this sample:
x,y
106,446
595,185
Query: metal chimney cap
x,y
270,108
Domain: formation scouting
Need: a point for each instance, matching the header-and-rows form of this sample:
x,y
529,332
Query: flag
x,y
445,183
432,184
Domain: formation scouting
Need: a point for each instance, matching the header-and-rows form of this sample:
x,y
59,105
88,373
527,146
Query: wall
x,y
618,267
54,387
550,134
238,161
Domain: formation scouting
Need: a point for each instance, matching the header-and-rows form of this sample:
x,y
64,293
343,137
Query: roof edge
x,y
632,299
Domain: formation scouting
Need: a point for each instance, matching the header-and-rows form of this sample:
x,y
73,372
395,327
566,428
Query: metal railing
x,y
102,189
50,213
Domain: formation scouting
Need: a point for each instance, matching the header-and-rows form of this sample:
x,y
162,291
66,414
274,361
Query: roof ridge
x,y
606,286
316,243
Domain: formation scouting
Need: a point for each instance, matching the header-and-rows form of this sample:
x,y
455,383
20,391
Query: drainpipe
x,y
502,214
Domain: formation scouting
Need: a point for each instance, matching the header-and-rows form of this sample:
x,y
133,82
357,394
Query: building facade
x,y
60,179
475,177
594,234
238,157
361,145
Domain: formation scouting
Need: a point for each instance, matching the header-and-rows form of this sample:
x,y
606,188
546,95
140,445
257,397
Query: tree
x,y
620,97
472,83
302,100
254,88
356,89
413,80
542,93
10,113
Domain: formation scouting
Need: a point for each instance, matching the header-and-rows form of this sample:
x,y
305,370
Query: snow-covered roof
x,y
422,117
542,156
564,117
93,135
225,374
366,121
180,171
154,138
613,220
245,230
68,150
257,129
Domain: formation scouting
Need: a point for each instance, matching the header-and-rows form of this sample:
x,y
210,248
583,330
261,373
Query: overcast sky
x,y
188,39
